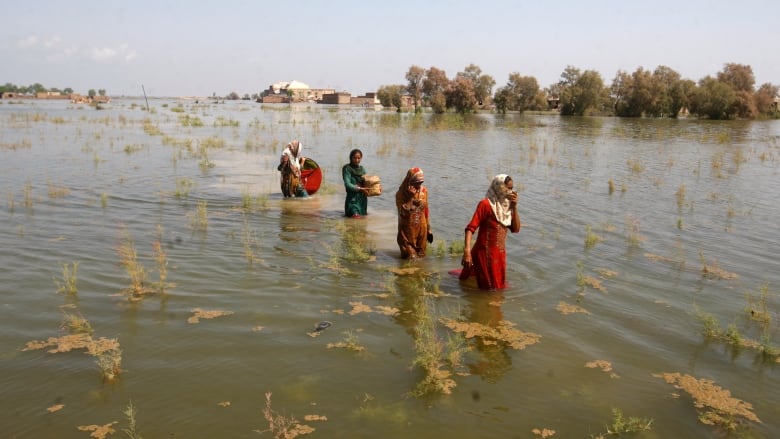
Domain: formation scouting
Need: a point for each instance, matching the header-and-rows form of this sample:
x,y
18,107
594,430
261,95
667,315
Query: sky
x,y
197,48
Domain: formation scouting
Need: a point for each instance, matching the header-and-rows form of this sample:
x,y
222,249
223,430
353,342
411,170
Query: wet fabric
x,y
413,215
356,202
488,254
290,167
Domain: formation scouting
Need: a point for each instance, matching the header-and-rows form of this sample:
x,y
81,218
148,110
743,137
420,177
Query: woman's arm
x,y
515,226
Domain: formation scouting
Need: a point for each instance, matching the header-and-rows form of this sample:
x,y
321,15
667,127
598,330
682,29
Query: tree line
x,y
36,88
730,94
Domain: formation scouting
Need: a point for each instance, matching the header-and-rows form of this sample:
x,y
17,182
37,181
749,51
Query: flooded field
x,y
155,283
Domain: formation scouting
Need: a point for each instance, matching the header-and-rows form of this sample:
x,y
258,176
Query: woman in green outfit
x,y
356,203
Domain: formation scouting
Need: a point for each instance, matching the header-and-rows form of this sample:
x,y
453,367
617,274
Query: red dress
x,y
489,252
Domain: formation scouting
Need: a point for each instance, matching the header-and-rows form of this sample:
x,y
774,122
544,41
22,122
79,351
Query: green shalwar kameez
x,y
356,202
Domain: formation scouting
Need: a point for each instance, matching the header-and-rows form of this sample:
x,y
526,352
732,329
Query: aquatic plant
x,y
69,278
99,431
757,308
128,259
162,263
350,342
591,239
183,186
437,359
199,219
714,404
282,427
632,227
713,270
622,425
250,243
680,195
109,361
198,314
132,426
75,324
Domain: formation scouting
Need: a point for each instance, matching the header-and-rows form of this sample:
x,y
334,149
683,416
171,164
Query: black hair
x,y
355,151
507,179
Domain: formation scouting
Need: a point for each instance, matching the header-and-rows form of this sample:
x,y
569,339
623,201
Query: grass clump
x,y
437,357
281,426
621,424
128,259
67,285
132,428
591,239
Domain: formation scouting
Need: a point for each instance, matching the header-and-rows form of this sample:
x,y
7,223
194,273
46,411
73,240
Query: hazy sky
x,y
186,48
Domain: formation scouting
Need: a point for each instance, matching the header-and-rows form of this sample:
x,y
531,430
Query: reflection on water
x,y
667,264
494,361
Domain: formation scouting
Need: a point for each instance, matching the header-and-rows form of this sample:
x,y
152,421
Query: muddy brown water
x,y
76,180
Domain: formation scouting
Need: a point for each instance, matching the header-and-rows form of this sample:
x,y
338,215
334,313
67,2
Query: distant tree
x,y
415,77
580,91
102,92
91,93
740,78
37,88
434,89
245,97
521,93
233,96
632,95
391,96
663,84
67,90
712,99
764,99
483,84
461,95
682,92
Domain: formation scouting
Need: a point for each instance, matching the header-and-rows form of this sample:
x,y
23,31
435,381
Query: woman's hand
x,y
513,197
466,260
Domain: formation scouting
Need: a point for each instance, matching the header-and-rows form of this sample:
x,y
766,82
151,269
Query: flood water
x,y
689,229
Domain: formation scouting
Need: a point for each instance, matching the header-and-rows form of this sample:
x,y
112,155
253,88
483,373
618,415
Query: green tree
x,y
713,99
461,95
482,84
580,91
740,78
91,93
434,88
764,99
67,90
521,93
391,96
662,85
102,92
415,77
632,95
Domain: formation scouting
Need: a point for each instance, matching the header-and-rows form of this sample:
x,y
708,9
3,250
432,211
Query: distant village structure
x,y
74,98
296,91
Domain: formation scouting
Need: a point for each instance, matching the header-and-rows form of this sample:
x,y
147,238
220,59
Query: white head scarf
x,y
293,152
498,195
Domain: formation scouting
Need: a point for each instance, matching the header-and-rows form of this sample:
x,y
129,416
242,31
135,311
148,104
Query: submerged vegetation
x,y
406,317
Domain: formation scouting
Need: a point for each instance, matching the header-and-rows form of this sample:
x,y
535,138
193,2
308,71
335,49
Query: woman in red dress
x,y
495,215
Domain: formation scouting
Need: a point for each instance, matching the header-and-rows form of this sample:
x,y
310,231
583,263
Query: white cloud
x,y
102,53
53,41
122,52
26,43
